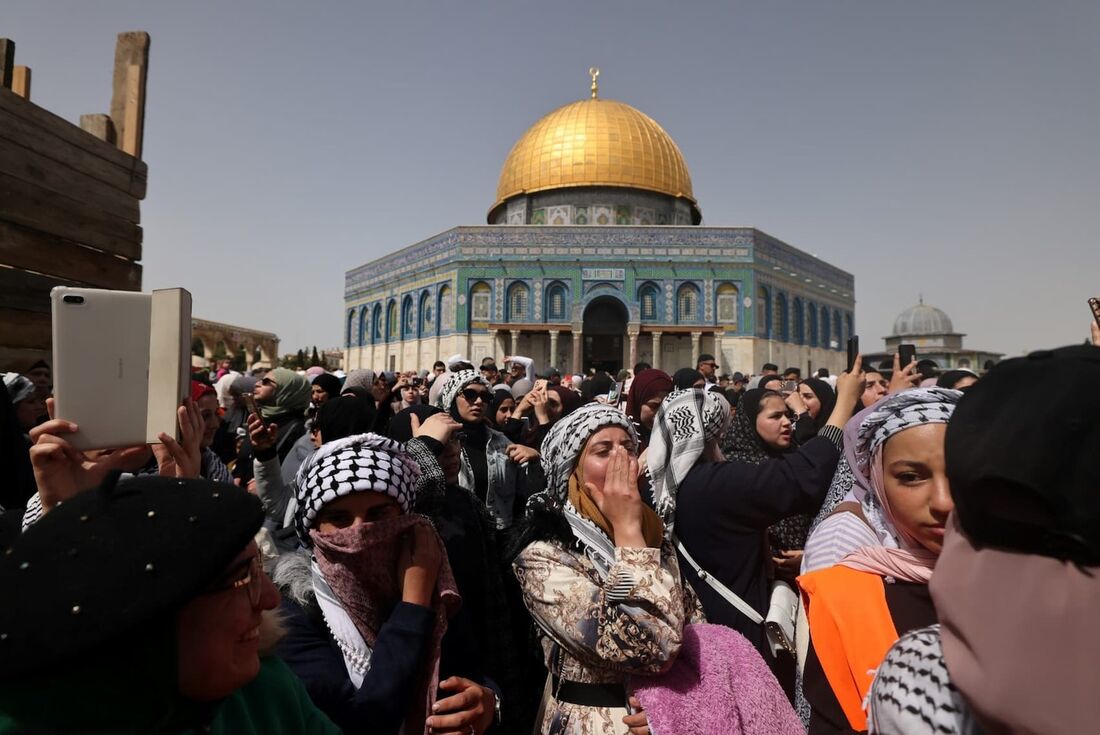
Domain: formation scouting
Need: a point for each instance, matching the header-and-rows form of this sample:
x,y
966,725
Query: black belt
x,y
589,695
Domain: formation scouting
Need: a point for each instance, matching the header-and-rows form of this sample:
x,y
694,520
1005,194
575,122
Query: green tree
x,y
300,360
314,359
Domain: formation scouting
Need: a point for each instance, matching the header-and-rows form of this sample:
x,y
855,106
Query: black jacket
x,y
723,511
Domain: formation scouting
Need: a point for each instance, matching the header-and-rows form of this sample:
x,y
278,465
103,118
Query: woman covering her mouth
x,y
869,563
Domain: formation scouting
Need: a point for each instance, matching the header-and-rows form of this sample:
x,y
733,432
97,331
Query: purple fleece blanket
x,y
718,684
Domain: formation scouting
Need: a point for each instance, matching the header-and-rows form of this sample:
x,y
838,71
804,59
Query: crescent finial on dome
x,y
594,72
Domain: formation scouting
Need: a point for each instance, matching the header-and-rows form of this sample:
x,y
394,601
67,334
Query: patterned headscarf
x,y
901,554
687,420
455,384
360,463
561,450
741,442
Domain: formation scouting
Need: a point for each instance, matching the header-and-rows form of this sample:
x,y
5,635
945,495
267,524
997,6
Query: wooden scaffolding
x,y
69,198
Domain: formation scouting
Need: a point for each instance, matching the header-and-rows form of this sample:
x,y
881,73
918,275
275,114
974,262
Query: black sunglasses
x,y
472,395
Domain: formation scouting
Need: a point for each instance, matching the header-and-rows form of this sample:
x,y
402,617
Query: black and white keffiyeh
x,y
898,412
687,420
455,384
360,463
561,450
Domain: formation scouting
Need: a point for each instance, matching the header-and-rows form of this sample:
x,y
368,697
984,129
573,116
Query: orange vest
x,y
851,630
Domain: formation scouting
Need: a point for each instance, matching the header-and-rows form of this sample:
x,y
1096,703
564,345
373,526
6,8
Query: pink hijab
x,y
1019,635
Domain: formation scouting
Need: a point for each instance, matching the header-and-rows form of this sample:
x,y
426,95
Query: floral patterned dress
x,y
603,632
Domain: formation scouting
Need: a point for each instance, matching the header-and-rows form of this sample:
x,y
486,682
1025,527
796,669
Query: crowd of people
x,y
477,548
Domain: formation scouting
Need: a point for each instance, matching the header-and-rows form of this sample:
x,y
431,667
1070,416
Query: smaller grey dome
x,y
922,319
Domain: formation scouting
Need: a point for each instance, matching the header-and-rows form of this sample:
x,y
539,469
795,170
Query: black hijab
x,y
401,428
826,395
686,378
742,442
345,416
329,383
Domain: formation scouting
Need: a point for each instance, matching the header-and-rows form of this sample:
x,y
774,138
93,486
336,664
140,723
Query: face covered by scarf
x,y
291,394
355,568
563,452
687,421
901,556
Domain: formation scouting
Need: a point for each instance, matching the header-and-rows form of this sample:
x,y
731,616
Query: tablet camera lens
x,y
72,299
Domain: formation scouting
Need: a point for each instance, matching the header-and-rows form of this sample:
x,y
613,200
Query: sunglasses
x,y
270,382
472,395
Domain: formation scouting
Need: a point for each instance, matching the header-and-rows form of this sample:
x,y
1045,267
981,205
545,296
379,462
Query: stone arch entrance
x,y
605,320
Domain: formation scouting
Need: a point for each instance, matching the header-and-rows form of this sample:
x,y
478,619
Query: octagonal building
x,y
594,256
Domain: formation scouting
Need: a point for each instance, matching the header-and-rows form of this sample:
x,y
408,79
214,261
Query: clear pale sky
x,y
950,149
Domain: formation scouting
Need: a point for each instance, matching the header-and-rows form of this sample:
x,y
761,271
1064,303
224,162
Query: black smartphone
x,y
906,353
853,350
250,403
1094,304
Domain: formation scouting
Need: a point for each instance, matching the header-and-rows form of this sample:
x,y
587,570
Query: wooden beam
x,y
41,209
35,168
22,247
128,97
99,125
40,130
25,329
7,62
26,291
21,81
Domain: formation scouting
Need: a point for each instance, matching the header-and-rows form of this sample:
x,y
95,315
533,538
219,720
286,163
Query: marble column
x,y
656,349
554,348
578,351
696,337
515,343
632,335
493,347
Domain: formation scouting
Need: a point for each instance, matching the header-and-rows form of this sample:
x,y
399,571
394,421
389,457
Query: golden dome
x,y
595,142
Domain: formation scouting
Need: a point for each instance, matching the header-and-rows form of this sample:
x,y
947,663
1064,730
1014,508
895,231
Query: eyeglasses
x,y
709,364
269,382
253,581
472,395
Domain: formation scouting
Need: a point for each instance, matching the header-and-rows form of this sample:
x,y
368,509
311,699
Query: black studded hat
x,y
112,560
1022,451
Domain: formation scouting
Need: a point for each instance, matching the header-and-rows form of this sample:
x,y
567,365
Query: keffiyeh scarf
x,y
901,555
455,384
686,421
561,450
360,463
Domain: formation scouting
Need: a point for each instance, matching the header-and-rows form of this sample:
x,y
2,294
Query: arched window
x,y
799,314
848,325
393,327
425,314
687,303
445,314
726,306
364,325
480,300
826,329
649,296
782,318
763,312
555,303
813,325
518,302
351,328
376,324
837,332
408,318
